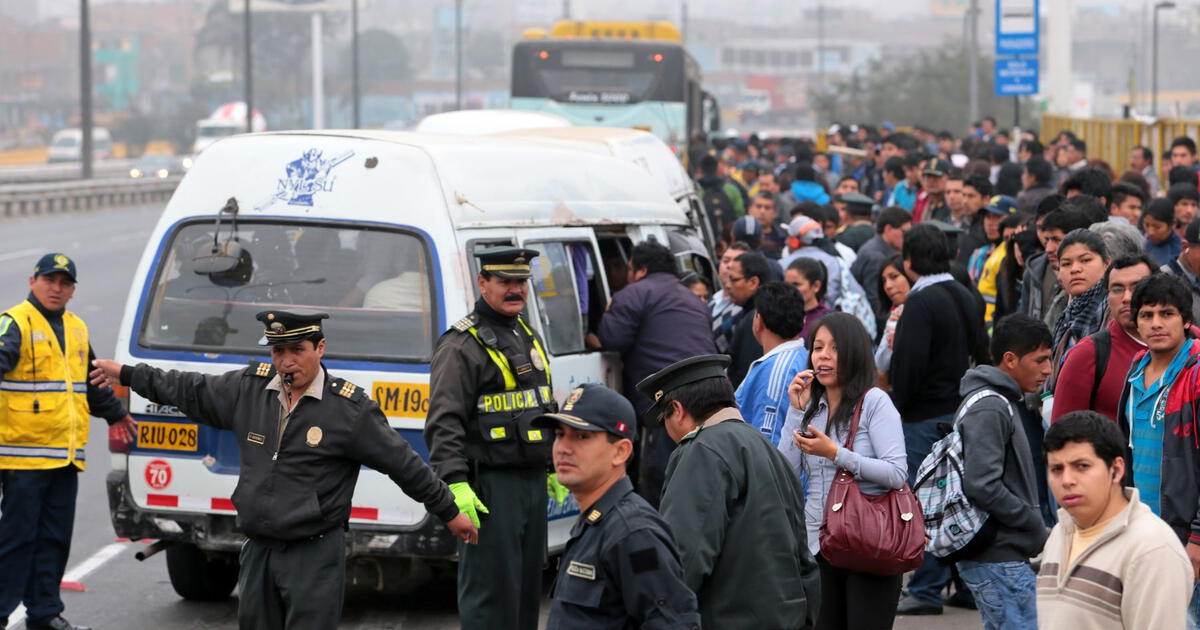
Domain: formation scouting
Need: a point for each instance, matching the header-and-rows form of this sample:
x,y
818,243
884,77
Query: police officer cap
x,y
55,263
594,407
946,228
285,327
857,203
676,375
510,263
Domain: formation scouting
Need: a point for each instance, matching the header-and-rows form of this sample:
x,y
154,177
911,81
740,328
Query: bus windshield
x,y
376,285
615,73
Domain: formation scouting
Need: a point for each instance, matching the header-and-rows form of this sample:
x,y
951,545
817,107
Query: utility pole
x,y
354,87
249,77
86,153
973,61
458,55
566,9
820,42
1166,4
683,21
318,73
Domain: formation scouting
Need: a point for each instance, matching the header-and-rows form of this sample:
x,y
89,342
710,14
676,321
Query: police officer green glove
x,y
467,501
556,490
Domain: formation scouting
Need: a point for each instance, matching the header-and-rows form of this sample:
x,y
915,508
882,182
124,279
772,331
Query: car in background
x,y
67,145
160,166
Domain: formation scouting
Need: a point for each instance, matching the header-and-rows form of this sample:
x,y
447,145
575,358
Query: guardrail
x,y
61,171
46,198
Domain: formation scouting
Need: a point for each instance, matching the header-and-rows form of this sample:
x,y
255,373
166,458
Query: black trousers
x,y
500,579
851,600
37,514
298,586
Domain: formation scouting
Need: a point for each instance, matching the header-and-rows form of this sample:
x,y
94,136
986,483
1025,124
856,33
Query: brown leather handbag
x,y
881,534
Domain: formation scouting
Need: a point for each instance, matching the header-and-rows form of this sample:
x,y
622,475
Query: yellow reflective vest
x,y
43,399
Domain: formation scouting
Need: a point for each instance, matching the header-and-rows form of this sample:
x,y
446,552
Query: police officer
x,y
620,568
490,377
303,435
45,401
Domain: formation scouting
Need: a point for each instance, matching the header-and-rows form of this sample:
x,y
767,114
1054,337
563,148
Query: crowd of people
x,y
902,297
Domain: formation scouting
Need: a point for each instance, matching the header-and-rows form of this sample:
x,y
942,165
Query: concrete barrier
x,y
47,198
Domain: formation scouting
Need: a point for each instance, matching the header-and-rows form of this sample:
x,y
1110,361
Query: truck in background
x,y
226,120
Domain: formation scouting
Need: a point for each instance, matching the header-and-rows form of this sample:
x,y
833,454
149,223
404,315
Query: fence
x,y
27,199
1112,140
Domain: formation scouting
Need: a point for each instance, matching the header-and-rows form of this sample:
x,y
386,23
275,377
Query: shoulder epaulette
x,y
465,323
346,389
258,368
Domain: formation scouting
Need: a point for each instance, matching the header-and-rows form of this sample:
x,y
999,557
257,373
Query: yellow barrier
x,y
17,157
1112,140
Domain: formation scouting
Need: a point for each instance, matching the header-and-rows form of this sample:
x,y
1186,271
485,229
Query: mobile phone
x,y
806,434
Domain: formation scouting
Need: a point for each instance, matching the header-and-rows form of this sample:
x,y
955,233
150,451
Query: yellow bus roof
x,y
655,31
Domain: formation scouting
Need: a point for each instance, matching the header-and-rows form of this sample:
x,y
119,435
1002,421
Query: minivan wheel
x,y
200,575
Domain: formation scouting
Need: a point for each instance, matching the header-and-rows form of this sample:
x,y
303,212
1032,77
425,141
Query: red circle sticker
x,y
158,474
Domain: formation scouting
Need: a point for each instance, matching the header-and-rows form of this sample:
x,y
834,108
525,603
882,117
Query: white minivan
x,y
377,229
67,145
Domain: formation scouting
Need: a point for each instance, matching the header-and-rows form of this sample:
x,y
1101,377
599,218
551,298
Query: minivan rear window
x,y
375,284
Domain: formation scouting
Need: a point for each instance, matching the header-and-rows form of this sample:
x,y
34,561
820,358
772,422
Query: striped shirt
x,y
763,395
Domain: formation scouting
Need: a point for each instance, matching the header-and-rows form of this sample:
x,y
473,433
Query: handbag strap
x,y
854,424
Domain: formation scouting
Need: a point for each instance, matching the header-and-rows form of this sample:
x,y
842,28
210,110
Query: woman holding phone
x,y
824,399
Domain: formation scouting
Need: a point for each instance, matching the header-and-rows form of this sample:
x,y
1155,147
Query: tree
x,y
929,87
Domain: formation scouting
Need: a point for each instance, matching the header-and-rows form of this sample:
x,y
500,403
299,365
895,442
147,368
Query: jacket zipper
x,y
281,427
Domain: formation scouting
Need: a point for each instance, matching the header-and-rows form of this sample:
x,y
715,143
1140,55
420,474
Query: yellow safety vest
x,y
43,399
501,361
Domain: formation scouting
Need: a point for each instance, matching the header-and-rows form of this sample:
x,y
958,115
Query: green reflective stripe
x,y
510,381
5,322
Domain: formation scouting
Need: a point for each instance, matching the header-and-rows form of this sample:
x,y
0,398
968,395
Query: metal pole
x,y
566,9
458,55
318,74
1154,66
973,62
249,75
683,21
354,87
820,43
85,91
1016,118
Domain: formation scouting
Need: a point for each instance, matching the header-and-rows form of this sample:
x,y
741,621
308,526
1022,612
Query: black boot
x,y
54,623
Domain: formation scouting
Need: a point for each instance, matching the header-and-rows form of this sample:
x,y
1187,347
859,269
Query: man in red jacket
x,y
1078,386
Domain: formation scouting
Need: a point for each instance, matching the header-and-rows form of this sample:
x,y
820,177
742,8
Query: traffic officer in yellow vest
x,y
45,401
490,377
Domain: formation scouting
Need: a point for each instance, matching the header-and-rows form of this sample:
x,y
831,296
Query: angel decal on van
x,y
308,175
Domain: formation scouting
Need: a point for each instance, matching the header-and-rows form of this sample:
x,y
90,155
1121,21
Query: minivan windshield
x,y
375,284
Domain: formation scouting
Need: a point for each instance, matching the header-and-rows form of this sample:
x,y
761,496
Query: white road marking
x,y
21,254
77,573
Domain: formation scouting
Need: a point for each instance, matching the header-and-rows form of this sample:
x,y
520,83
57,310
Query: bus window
x,y
556,279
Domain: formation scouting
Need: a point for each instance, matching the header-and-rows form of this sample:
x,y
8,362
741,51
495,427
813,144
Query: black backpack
x,y
719,209
1103,342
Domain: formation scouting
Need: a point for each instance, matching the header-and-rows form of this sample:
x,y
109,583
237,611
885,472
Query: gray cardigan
x,y
878,460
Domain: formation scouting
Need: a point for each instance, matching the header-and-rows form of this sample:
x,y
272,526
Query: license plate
x,y
402,400
171,436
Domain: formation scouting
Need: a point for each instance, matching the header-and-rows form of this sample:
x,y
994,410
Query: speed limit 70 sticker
x,y
158,474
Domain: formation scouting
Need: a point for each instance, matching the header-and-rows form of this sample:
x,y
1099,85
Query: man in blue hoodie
x,y
805,186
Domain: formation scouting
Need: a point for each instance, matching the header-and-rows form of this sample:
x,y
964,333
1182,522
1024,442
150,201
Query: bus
x,y
615,74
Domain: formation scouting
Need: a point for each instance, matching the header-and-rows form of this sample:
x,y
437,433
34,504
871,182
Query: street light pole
x,y
249,78
820,43
354,87
458,55
1154,52
85,91
973,61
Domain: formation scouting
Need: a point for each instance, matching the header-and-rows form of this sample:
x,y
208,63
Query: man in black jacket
x,y
303,435
938,336
747,273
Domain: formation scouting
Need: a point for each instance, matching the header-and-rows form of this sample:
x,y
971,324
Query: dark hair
x,y
1089,181
847,177
1087,427
944,135
1065,133
1034,147
1049,203
1185,142
781,307
1165,289
1182,175
804,172
1178,192
903,141
912,160
896,262
1066,220
1136,180
1147,154
1127,261
708,165
740,246
1029,245
980,184
754,265
1039,169
653,257
1087,205
1087,238
990,119
893,216
855,368
926,250
769,196
1159,209
998,154
1079,145
1123,190
895,166
1019,334
702,398
1008,179
691,277
813,270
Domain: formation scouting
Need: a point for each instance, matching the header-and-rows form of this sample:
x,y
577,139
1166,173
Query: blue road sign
x,y
1016,27
1016,77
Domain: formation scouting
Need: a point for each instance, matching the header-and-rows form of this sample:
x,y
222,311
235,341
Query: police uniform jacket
x,y
736,508
620,569
462,370
299,484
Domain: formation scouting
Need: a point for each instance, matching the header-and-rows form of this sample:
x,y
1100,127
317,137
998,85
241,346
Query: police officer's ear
x,y
624,452
319,346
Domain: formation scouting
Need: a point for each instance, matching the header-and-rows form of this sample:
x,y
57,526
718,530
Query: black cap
x,y
857,203
677,375
946,228
285,327
510,263
937,167
594,407
1191,233
55,263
